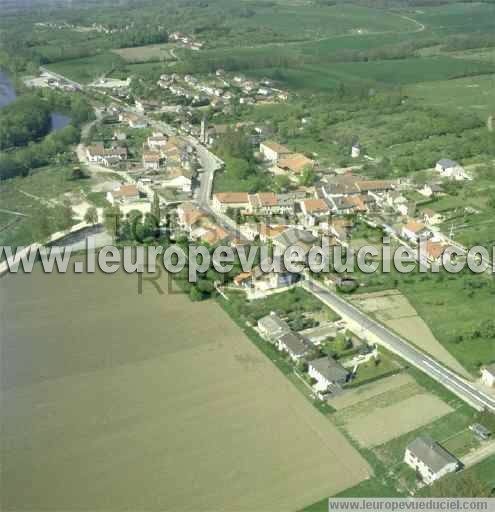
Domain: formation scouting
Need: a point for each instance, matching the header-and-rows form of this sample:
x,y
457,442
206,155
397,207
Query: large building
x,y
429,459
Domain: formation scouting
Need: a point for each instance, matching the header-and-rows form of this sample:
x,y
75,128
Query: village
x,y
165,154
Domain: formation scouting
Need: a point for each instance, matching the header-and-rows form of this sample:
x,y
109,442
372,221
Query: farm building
x,y
429,459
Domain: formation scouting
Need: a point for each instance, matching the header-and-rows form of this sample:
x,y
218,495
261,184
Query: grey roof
x,y
294,343
431,453
274,325
436,187
330,369
446,163
293,236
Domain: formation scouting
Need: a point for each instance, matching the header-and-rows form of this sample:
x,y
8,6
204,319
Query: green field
x,y
87,69
48,184
152,52
387,72
464,95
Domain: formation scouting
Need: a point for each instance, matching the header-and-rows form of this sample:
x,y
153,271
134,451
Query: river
x,y
8,96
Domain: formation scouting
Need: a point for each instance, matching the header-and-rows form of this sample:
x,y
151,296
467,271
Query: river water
x,y
8,96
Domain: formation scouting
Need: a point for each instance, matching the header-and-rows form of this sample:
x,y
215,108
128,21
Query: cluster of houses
x,y
98,154
198,225
186,41
283,160
221,89
326,373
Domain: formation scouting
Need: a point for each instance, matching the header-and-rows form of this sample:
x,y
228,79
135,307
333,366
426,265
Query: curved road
x,y
404,349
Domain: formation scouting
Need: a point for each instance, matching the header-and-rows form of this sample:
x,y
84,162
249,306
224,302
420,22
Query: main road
x,y
459,386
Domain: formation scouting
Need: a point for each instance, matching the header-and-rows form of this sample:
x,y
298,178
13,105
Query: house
x,y
272,326
98,154
313,210
488,375
263,203
124,194
451,169
341,228
189,215
342,205
222,201
434,251
416,231
293,344
272,151
295,163
430,459
213,234
294,237
179,178
431,217
260,230
152,160
341,185
95,153
135,121
277,277
157,141
327,372
433,189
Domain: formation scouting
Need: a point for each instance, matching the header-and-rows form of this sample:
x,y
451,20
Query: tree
x,y
112,218
76,173
460,485
64,215
41,225
155,208
91,215
308,176
282,183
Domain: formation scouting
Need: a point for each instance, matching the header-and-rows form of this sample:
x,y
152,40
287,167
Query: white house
x,y
416,231
451,169
125,194
429,459
152,160
488,375
272,326
272,151
327,372
293,344
222,201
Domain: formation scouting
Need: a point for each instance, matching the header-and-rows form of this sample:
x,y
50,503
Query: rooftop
x,y
329,368
431,453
